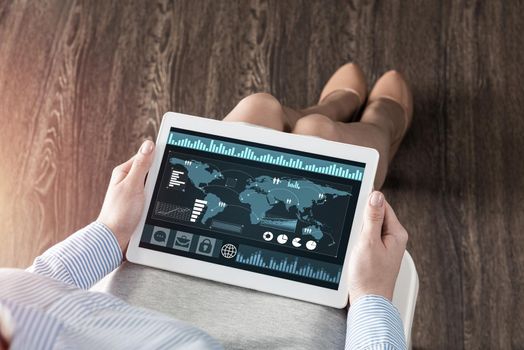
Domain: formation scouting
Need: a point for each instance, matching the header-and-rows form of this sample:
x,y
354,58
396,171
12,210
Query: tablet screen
x,y
265,209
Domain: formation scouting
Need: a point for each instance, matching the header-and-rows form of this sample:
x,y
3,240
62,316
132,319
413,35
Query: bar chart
x,y
266,156
293,265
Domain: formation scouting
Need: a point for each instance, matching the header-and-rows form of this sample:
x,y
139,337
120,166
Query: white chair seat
x,y
405,294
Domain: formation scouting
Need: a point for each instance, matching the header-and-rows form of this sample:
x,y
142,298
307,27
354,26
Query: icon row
x,y
184,241
189,242
283,239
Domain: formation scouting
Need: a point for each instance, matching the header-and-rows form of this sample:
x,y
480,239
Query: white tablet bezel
x,y
220,273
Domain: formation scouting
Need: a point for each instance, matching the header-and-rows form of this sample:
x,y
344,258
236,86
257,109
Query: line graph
x,y
172,211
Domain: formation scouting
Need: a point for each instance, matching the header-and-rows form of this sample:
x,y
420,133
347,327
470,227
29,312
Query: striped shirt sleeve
x,y
374,323
82,259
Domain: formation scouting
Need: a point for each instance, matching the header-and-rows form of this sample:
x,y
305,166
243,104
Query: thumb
x,y
374,216
141,164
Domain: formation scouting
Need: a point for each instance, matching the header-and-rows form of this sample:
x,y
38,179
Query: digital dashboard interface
x,y
255,207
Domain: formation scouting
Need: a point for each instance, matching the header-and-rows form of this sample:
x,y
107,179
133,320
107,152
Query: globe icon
x,y
228,251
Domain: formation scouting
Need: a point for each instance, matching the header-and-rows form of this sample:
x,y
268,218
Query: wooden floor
x,y
81,84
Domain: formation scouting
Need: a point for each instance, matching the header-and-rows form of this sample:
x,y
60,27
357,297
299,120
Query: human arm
x,y
97,249
373,321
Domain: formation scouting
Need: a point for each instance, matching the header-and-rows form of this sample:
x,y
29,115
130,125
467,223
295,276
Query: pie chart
x,y
311,245
282,239
296,242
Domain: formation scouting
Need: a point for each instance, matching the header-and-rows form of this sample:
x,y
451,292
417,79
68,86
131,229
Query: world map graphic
x,y
260,197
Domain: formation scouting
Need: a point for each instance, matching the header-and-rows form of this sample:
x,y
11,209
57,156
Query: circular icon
x,y
282,239
311,245
268,236
296,242
160,236
228,251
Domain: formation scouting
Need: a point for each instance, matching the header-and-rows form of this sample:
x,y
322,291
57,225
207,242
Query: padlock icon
x,y
205,246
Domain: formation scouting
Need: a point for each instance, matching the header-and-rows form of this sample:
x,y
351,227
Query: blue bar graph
x,y
289,264
263,155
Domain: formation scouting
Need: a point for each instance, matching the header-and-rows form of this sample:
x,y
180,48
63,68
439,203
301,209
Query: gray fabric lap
x,y
239,318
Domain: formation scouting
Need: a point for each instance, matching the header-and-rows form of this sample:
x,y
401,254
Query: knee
x,y
260,103
316,125
260,109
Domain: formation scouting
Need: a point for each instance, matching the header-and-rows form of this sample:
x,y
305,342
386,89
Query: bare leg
x,y
264,110
382,126
378,133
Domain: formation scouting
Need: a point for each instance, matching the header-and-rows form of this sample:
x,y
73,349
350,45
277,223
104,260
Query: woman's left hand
x,y
125,197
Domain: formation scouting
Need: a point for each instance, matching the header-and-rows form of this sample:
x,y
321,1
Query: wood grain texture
x,y
82,83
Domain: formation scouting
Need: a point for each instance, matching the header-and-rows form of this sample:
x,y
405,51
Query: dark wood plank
x,y
81,83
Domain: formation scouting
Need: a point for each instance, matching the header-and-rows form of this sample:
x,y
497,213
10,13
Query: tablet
x,y
254,207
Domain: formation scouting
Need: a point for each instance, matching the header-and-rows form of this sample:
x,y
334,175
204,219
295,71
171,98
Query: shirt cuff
x,y
374,323
83,258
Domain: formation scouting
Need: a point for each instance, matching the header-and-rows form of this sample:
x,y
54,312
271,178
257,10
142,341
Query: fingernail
x,y
376,199
146,147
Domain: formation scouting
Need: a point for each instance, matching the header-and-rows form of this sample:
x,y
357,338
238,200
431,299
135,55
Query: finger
x,y
394,232
120,171
141,164
374,216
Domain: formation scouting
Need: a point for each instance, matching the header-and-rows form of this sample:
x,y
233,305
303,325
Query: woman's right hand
x,y
375,260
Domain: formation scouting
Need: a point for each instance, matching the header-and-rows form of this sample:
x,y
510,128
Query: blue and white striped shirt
x,y
50,306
